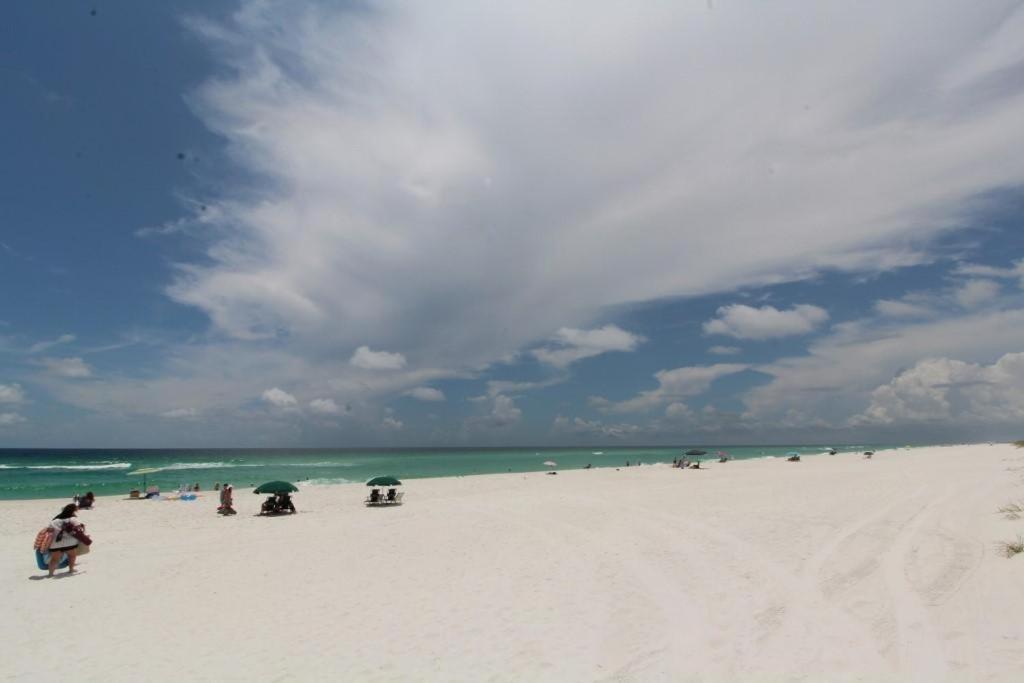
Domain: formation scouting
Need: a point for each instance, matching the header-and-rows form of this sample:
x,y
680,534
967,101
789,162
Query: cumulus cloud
x,y
578,426
943,389
44,345
74,368
324,406
11,393
746,322
368,359
392,424
391,141
426,394
504,413
280,399
672,385
574,345
9,419
836,378
975,292
677,411
724,350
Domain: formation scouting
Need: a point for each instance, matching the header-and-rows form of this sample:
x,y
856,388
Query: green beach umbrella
x,y
275,487
695,451
384,481
144,471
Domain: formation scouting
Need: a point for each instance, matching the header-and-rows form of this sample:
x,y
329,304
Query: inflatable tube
x,y
43,561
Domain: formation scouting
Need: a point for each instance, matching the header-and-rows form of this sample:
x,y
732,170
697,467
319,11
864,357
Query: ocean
x,y
62,473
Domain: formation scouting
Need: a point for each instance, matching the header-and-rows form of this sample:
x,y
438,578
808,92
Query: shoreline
x,y
834,567
304,483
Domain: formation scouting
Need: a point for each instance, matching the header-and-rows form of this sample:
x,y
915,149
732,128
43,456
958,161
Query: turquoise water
x,y
63,473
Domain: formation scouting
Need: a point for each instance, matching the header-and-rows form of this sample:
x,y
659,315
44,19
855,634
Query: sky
x,y
460,223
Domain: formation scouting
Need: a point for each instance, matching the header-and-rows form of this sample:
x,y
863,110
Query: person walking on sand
x,y
65,542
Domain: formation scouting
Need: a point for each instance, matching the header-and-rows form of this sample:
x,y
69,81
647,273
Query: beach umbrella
x,y
792,453
144,471
695,451
275,487
551,463
384,481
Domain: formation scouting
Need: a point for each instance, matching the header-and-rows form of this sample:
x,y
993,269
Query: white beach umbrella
x,y
551,463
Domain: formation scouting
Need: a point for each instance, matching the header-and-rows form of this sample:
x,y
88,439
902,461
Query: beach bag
x,y
83,549
78,531
44,538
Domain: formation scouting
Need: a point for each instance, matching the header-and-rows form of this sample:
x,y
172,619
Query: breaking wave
x,y
98,466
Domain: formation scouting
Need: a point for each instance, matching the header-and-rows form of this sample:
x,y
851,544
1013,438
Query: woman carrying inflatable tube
x,y
67,532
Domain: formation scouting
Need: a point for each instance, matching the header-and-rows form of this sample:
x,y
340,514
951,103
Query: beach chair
x,y
398,497
374,498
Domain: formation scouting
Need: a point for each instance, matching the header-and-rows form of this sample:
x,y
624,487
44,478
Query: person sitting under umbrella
x,y
284,503
269,506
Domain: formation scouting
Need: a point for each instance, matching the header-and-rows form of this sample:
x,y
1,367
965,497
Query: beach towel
x,y
43,539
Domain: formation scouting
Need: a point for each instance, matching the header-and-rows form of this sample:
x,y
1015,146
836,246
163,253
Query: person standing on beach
x,y
65,542
226,501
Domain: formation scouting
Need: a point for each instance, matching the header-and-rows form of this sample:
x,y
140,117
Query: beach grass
x,y
1011,548
1019,444
1011,510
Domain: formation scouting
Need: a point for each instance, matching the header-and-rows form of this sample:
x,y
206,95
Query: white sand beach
x,y
834,568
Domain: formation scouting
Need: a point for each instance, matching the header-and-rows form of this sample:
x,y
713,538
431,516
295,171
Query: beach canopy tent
x,y
276,487
384,481
695,451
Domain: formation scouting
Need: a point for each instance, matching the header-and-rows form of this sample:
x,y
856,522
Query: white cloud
x,y
980,270
75,368
974,292
836,378
941,389
504,413
672,385
677,411
725,350
574,345
367,359
11,393
280,399
392,424
324,406
426,394
383,211
902,309
9,419
746,322
43,345
180,414
593,428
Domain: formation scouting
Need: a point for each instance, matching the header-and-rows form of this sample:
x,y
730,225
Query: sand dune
x,y
835,568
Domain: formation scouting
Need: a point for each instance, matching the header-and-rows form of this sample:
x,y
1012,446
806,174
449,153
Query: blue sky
x,y
380,224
